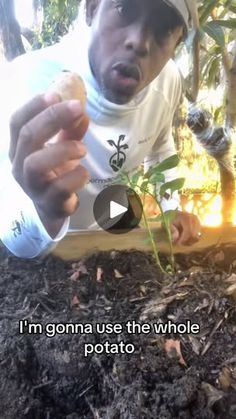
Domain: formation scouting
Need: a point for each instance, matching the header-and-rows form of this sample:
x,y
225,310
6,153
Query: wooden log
x,y
76,245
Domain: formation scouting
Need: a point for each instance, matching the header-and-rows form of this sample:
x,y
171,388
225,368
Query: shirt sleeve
x,y
21,229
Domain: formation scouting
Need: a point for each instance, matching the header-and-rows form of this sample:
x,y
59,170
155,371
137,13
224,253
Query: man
x,y
133,88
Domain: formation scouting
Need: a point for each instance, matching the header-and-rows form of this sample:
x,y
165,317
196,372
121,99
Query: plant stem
x,y
147,226
166,225
168,231
152,242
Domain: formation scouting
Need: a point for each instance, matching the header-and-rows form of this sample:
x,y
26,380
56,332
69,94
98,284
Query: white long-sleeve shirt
x,y
124,135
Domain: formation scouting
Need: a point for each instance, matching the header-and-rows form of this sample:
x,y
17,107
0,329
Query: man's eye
x,y
126,8
119,6
120,9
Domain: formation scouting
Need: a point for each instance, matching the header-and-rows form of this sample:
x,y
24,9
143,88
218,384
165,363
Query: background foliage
x,y
58,15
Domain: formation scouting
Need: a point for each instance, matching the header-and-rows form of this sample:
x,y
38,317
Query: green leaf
x,y
168,163
213,72
144,184
169,216
206,9
61,6
158,218
216,32
122,178
135,177
218,113
157,178
230,23
174,185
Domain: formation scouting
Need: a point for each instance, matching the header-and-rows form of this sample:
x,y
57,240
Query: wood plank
x,y
76,245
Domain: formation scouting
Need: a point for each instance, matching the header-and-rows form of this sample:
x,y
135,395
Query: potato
x,y
69,86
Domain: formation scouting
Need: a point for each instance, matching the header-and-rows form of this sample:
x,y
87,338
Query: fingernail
x,y
75,107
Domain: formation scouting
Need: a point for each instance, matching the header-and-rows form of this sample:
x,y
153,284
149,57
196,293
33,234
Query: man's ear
x,y
91,7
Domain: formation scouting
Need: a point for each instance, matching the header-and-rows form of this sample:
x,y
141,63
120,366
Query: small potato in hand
x,y
70,86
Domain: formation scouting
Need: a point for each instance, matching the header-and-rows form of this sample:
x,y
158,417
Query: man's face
x,y
129,46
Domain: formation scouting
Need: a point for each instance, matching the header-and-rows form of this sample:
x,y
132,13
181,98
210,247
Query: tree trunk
x,y
10,31
226,165
231,95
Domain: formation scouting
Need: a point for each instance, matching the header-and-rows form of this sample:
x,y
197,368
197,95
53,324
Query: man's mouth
x,y
128,70
126,75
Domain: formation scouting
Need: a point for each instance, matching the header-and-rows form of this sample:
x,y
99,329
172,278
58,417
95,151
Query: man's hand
x,y
50,174
185,229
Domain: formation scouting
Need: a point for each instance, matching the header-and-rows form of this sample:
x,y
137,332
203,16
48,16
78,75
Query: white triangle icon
x,y
116,209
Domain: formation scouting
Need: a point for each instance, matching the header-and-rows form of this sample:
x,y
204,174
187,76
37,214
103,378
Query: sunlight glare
x,y
24,12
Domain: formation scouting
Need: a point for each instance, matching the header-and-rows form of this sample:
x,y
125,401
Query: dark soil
x,y
45,377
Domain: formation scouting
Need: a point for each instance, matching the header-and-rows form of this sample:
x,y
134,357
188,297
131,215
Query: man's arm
x,y
38,188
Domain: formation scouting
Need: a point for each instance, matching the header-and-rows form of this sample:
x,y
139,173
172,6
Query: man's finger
x,y
76,133
61,194
39,165
185,233
175,234
27,112
190,228
45,125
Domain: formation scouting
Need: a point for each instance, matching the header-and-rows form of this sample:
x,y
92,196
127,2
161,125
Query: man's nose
x,y
138,39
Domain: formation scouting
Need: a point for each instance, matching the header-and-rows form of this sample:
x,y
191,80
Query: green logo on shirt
x,y
118,159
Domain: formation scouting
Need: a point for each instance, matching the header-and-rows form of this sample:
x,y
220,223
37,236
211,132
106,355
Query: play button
x,y
117,209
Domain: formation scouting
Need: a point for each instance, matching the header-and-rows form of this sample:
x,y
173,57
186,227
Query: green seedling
x,y
152,183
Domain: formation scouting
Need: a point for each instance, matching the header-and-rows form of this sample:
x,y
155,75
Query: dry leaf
x,y
75,301
196,344
196,270
113,254
75,276
226,379
143,289
99,274
202,305
118,275
233,372
158,306
231,290
187,282
83,269
231,279
212,394
78,268
219,257
173,350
